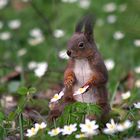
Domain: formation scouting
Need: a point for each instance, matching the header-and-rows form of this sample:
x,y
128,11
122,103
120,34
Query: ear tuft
x,y
80,25
89,24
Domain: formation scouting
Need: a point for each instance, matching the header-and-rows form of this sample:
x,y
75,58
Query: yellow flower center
x,y
69,128
89,126
33,130
111,126
82,135
55,131
56,96
81,90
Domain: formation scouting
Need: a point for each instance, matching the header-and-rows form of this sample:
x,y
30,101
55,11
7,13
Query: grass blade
x,y
21,126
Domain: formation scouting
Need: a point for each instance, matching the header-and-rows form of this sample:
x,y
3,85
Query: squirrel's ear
x,y
80,25
89,24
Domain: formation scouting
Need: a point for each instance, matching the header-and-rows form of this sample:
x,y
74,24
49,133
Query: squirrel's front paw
x,y
69,82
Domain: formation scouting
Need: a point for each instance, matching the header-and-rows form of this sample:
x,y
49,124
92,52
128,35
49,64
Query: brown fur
x,y
99,76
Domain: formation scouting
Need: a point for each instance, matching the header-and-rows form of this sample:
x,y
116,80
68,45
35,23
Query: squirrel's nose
x,y
69,53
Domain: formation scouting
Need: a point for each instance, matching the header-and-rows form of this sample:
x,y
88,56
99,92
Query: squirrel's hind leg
x,y
103,102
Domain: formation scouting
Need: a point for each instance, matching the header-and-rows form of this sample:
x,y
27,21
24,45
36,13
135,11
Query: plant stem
x,y
114,94
21,126
54,123
69,119
88,109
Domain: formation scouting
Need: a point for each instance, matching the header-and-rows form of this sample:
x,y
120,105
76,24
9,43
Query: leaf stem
x,y
21,126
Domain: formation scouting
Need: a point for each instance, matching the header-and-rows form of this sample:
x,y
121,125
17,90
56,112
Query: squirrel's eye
x,y
81,45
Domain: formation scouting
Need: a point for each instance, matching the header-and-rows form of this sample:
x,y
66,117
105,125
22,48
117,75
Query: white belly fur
x,y
83,73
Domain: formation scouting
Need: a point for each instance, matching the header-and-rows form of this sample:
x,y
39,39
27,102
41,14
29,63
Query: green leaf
x,y
11,116
1,116
94,109
22,91
80,105
2,132
32,90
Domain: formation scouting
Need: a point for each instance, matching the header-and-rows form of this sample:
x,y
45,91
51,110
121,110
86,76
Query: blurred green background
x,y
37,31
33,43
51,15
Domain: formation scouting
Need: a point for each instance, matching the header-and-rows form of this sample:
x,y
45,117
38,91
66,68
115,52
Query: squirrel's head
x,y
81,44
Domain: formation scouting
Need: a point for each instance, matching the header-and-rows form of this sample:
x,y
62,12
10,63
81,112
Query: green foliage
x,y
76,112
49,15
32,90
2,116
25,91
22,91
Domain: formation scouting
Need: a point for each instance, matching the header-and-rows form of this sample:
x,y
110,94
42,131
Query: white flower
x,y
52,105
14,24
111,128
78,136
125,125
63,55
111,19
64,0
137,42
57,97
22,52
126,95
31,132
18,69
8,98
109,64
138,124
72,1
58,33
3,3
137,69
84,4
54,132
69,129
41,69
100,22
118,35
137,105
32,65
90,127
5,35
69,1
36,32
8,101
36,41
1,25
109,7
25,0
122,7
37,37
40,126
137,83
81,90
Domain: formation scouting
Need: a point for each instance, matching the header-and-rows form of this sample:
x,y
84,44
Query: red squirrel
x,y
85,67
